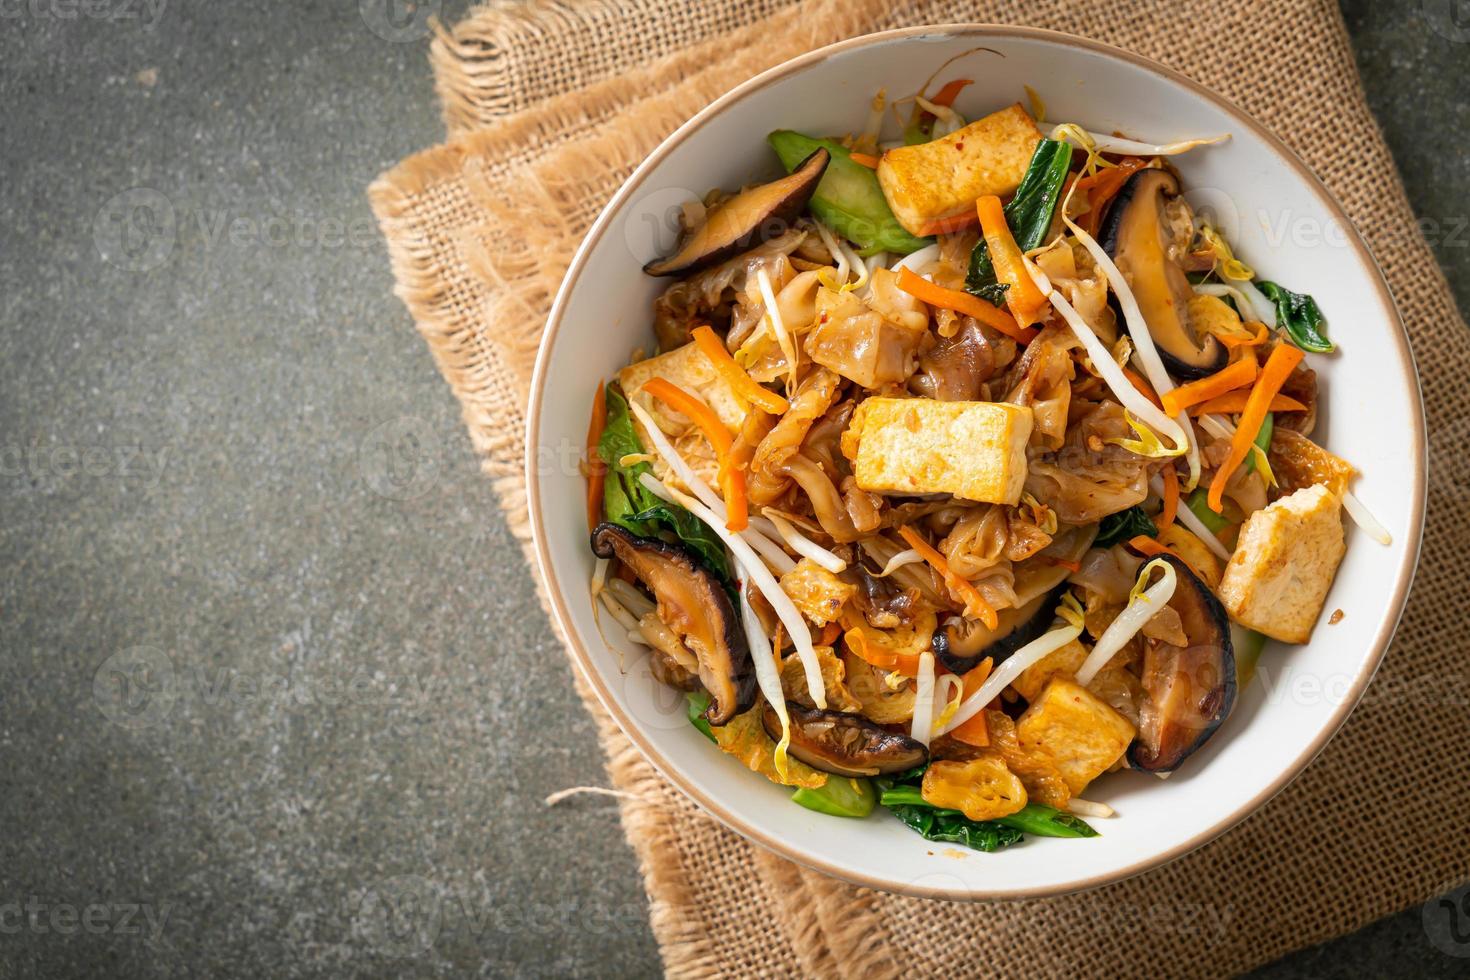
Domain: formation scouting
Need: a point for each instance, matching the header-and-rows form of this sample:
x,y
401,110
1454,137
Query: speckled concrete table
x,y
270,664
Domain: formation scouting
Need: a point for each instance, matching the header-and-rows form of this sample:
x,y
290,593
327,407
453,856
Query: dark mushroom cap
x,y
745,220
1136,234
692,603
1189,691
844,744
961,644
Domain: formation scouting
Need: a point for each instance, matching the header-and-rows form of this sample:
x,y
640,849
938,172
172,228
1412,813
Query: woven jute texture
x,y
553,105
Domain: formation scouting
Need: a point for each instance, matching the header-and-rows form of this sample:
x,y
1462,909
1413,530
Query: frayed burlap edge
x,y
480,80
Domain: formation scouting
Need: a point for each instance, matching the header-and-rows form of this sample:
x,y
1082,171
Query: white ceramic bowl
x,y
1281,220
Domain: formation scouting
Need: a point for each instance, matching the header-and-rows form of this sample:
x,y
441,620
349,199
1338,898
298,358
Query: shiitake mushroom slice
x,y
744,221
692,603
844,744
1188,691
1137,235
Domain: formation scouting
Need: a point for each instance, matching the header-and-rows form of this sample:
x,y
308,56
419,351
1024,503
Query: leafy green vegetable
x,y
630,504
1298,314
1263,440
694,533
1029,213
995,292
909,777
840,797
1033,818
954,827
698,704
1198,503
1045,821
622,495
848,200
1124,525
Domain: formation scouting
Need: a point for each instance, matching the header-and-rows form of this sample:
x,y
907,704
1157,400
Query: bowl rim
x,y
1403,576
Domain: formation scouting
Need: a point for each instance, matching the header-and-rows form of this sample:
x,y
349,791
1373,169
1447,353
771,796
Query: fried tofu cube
x,y
688,368
1066,660
974,450
815,591
1079,732
1277,580
942,178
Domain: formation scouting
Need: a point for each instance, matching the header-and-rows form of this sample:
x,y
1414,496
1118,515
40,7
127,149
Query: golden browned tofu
x,y
942,178
1063,660
1081,734
816,592
691,370
1277,580
974,450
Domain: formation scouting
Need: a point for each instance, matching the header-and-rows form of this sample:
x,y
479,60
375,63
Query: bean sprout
x,y
1117,144
1140,609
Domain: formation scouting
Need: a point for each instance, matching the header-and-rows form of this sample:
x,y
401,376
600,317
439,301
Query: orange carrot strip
x,y
1068,564
975,604
737,508
1233,403
952,299
1144,388
975,731
876,654
951,91
1279,365
596,468
864,159
1237,374
830,633
1024,299
907,663
880,657
947,226
745,386
732,479
1102,186
1171,496
701,414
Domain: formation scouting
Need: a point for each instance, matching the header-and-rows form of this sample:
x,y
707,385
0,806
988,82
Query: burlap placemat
x,y
480,231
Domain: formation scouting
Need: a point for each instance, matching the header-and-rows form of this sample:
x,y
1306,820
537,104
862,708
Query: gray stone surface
x,y
269,662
